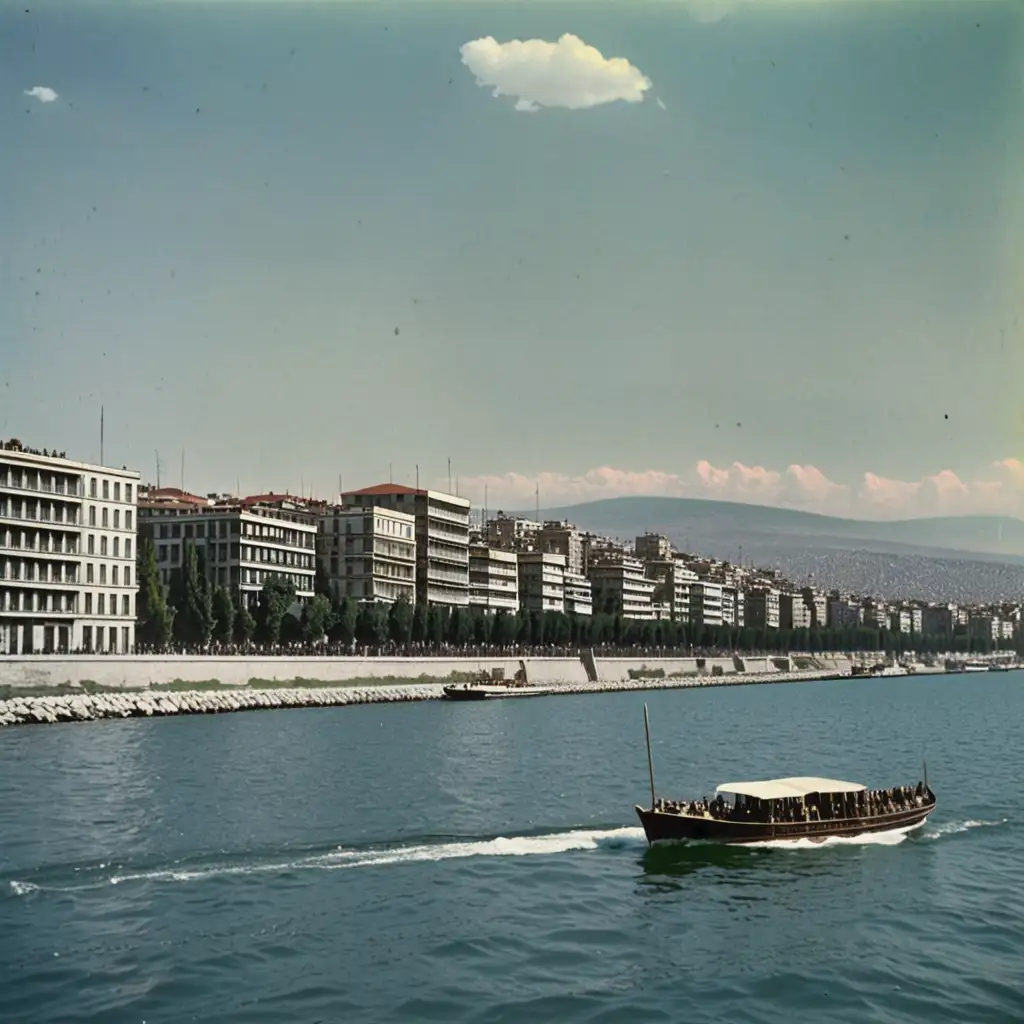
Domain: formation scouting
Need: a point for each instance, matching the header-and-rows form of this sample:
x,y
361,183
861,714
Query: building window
x,y
125,642
89,573
92,515
87,638
117,491
112,634
103,545
117,547
201,530
106,519
128,493
117,519
127,575
128,548
92,487
126,605
101,604
163,531
176,530
106,490
175,553
88,604
92,545
103,575
114,573
162,553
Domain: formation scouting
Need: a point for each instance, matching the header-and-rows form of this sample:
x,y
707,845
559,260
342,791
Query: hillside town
x,y
93,559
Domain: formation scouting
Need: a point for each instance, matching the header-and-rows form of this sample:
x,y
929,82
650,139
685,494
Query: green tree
x,y
420,631
245,624
276,598
223,615
195,612
372,623
317,618
154,617
400,621
343,629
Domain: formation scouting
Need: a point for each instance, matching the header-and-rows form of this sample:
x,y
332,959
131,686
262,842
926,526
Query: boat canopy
x,y
783,789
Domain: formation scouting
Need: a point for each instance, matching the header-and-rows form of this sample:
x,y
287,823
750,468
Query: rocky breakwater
x,y
90,707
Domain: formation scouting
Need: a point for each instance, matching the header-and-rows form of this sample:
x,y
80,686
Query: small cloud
x,y
568,74
43,93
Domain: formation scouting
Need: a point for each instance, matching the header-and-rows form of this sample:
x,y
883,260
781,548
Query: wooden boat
x,y
788,809
492,691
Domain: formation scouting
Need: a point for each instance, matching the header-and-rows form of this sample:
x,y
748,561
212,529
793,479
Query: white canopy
x,y
781,789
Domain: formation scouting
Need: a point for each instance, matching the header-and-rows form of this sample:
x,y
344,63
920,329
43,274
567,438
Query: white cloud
x,y
43,93
799,486
567,74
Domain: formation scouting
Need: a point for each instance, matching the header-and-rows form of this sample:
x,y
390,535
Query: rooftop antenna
x,y
456,487
341,490
536,500
101,435
157,454
485,504
417,476
449,474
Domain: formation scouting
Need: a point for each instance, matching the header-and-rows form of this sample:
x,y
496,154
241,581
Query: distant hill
x,y
962,558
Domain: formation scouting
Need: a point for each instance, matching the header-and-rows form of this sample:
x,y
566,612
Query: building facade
x,y
442,537
541,581
793,612
493,579
620,587
561,538
579,594
368,553
67,554
706,603
242,541
762,608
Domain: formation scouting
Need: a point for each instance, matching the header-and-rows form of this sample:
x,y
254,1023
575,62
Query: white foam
x,y
512,846
952,828
22,888
890,837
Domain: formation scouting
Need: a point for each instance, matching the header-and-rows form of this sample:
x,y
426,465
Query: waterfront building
x,y
368,553
241,541
793,612
939,618
652,547
817,605
734,604
541,581
706,603
561,538
844,611
620,587
493,579
761,605
442,537
876,613
901,621
673,580
596,548
579,596
67,553
511,533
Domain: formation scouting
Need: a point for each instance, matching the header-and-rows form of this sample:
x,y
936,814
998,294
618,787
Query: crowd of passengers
x,y
816,807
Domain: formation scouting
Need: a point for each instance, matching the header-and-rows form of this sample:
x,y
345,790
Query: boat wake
x,y
342,858
952,828
890,837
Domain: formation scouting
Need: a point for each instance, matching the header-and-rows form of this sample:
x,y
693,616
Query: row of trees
x,y
194,612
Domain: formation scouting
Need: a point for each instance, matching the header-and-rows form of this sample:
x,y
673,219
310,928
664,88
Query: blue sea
x,y
482,862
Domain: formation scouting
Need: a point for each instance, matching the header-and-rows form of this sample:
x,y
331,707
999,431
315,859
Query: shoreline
x,y
150,702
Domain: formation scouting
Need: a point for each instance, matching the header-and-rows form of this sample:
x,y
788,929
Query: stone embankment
x,y
87,707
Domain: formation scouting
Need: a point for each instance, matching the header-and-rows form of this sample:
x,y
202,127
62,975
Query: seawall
x,y
42,673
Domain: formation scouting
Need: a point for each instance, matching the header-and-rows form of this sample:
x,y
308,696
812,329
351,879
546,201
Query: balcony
x,y
71,491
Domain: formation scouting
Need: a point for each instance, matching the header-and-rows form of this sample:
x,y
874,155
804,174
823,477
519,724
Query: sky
x,y
762,251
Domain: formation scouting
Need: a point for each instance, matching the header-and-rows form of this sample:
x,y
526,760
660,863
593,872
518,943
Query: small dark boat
x,y
787,809
492,691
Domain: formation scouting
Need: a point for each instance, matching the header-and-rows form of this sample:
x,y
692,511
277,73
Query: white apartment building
x,y
793,612
541,581
620,587
579,594
706,603
559,537
511,533
672,586
734,605
67,554
368,553
442,537
243,541
762,607
493,579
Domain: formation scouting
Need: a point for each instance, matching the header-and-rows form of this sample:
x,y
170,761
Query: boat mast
x,y
924,765
650,761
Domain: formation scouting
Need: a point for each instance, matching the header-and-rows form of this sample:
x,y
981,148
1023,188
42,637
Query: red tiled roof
x,y
388,489
173,494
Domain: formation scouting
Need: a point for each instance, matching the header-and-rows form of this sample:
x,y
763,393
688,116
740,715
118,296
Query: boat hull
x,y
465,692
662,826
